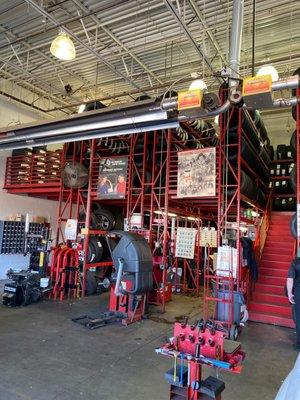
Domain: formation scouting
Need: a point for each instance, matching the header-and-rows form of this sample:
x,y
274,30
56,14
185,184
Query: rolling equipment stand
x,y
194,346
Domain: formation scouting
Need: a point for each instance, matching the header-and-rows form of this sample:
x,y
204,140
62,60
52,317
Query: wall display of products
x,y
12,236
112,178
197,173
185,243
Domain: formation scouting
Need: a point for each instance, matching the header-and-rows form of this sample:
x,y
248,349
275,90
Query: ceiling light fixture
x,y
81,108
268,70
198,84
62,47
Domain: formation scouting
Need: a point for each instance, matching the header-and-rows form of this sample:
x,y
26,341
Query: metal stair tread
x,y
265,303
265,318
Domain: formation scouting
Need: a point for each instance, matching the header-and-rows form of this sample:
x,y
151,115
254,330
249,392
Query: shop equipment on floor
x,y
192,347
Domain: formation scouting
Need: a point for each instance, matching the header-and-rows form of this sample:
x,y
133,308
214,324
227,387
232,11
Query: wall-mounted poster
x,y
185,242
197,173
112,178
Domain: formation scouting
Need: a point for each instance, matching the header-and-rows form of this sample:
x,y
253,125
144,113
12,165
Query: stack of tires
x,y
106,219
283,183
98,251
255,154
293,175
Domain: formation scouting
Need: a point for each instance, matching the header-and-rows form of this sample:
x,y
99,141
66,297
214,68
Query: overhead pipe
x,y
291,82
130,115
103,133
236,39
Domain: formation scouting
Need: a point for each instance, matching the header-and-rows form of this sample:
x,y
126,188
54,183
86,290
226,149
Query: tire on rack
x,y
90,283
104,219
136,184
293,225
270,150
294,112
95,250
293,144
281,152
293,179
297,72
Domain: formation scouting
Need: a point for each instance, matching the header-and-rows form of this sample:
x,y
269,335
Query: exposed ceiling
x,y
126,48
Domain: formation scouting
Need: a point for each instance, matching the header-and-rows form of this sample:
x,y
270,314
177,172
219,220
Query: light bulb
x,y
62,47
81,108
268,70
198,84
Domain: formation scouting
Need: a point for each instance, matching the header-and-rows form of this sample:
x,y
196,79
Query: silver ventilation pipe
x,y
131,116
88,135
236,39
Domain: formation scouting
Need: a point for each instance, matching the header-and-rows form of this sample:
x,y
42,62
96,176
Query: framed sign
x,y
112,178
197,173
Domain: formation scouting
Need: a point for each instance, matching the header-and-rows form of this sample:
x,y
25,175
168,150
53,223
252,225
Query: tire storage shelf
x,y
244,158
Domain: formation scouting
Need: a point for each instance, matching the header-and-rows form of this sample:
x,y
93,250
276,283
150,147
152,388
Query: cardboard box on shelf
x,y
39,219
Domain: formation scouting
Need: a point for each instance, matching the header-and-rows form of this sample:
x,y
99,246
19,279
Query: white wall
x,y
280,127
10,114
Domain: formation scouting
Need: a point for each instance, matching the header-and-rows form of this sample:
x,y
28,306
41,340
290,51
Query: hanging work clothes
x,y
248,254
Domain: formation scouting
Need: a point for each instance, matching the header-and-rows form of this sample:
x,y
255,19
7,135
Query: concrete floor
x,y
45,356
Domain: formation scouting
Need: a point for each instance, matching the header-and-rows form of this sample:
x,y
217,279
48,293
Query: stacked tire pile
x,y
256,153
106,219
283,178
114,146
293,175
98,251
205,130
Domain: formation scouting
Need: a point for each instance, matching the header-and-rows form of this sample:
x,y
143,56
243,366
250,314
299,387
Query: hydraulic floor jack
x,y
195,346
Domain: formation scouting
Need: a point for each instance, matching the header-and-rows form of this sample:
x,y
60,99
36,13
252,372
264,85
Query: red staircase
x,y
269,304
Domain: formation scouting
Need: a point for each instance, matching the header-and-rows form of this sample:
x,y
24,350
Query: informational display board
x,y
226,261
208,237
197,173
185,243
71,229
112,178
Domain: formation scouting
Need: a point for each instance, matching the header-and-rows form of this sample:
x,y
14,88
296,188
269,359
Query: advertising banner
x,y
112,178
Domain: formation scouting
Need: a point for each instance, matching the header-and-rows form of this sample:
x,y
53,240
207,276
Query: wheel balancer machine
x,y
132,259
130,282
193,346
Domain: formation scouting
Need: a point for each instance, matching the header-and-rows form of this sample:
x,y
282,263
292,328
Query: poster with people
x,y
112,178
197,173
